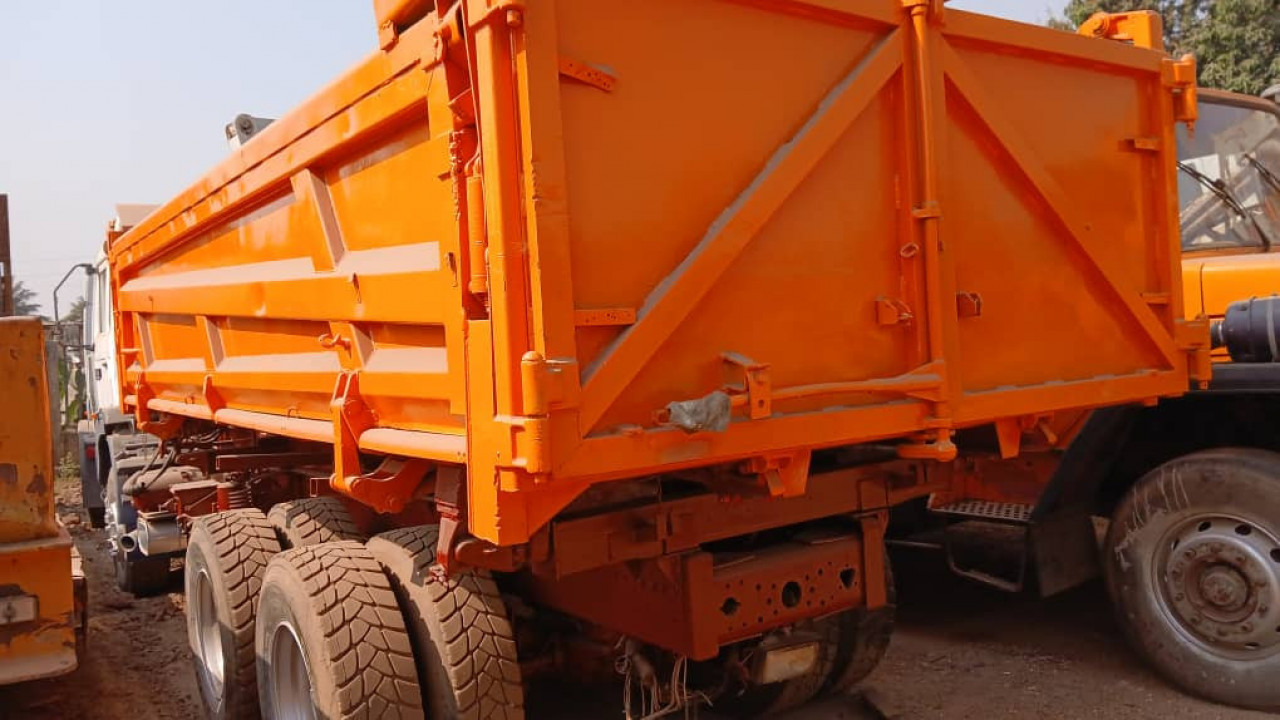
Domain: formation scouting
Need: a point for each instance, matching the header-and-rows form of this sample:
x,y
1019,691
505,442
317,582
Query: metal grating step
x,y
987,510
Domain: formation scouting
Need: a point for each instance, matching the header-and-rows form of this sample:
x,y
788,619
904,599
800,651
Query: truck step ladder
x,y
966,541
1003,512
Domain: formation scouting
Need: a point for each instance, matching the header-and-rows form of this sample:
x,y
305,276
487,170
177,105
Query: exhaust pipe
x,y
159,537
129,542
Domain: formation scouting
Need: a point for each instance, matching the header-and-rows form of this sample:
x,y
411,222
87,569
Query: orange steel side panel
x,y
35,554
26,440
46,646
884,218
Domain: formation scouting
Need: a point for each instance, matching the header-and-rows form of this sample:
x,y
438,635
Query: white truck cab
x,y
111,449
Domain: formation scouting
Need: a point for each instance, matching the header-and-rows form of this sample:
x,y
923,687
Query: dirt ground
x,y
137,665
960,652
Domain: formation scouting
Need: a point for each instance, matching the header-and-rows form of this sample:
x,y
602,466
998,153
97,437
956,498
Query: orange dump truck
x,y
639,314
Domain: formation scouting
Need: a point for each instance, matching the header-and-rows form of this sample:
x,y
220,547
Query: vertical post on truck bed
x,y
6,263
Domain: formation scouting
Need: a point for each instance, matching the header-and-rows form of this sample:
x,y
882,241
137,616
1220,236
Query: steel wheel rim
x,y
1218,582
289,677
209,635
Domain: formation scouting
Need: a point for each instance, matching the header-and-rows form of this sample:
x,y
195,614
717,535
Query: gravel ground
x,y
960,652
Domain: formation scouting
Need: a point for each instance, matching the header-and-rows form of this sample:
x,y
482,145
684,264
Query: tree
x,y
24,300
1239,45
1236,42
71,378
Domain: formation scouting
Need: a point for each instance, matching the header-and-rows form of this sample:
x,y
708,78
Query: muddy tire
x,y
141,575
331,639
227,554
768,700
1192,561
864,640
311,521
461,631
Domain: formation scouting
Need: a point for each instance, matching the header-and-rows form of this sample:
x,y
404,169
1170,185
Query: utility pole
x,y
6,261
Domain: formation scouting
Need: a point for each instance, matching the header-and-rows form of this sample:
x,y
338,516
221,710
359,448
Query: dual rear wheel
x,y
293,613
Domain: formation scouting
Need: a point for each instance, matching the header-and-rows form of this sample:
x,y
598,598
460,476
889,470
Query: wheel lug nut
x,y
1195,620
1190,553
1246,627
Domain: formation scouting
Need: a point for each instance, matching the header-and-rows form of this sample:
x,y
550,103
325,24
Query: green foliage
x,y
71,378
75,314
1239,45
24,300
1236,42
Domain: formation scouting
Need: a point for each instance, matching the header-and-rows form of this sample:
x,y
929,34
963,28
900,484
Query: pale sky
x,y
103,102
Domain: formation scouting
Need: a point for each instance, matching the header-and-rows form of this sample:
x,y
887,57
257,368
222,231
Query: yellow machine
x,y
42,588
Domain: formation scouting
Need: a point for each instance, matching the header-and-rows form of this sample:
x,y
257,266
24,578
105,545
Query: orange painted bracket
x,y
1009,433
785,475
389,488
873,567
164,428
968,304
589,74
757,387
351,418
892,311
1180,76
1142,28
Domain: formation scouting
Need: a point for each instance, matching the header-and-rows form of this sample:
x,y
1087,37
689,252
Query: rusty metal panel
x,y
37,604
26,445
707,601
36,575
842,221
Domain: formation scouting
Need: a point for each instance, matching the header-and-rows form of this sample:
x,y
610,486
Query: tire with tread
x,y
1184,497
338,604
232,549
864,640
315,520
460,627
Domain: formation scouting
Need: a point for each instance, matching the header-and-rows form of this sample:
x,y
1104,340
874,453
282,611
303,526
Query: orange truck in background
x,y
42,587
1192,554
560,302
1229,255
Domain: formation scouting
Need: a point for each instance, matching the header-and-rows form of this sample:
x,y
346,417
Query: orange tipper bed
x,y
568,241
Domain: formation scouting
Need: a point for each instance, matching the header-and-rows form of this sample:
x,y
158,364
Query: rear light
x,y
16,609
90,452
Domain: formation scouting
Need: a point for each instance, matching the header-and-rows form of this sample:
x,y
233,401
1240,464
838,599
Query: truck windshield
x,y
1238,150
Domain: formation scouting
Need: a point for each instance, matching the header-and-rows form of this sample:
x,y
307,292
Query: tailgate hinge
x,y
1180,77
